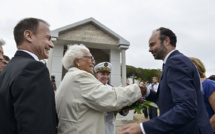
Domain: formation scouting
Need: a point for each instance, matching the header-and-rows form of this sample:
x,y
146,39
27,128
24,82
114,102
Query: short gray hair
x,y
2,42
73,51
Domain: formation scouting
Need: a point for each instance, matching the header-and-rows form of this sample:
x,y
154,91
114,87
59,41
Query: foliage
x,y
130,70
139,105
142,74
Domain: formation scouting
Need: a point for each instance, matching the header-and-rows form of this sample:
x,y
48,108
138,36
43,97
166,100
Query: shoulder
x,y
177,58
209,83
21,61
35,66
33,71
179,61
208,87
79,75
22,66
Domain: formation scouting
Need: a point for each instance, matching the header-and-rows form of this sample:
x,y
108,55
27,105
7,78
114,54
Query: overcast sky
x,y
193,22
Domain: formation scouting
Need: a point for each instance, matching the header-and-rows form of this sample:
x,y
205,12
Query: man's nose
x,y
51,44
93,62
1,57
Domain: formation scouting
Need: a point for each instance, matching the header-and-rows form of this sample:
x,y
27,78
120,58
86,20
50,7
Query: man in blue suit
x,y
179,95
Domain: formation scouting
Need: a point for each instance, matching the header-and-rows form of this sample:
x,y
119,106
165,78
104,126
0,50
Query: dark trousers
x,y
152,112
145,111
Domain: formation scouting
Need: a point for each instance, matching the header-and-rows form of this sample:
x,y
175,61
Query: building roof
x,y
122,41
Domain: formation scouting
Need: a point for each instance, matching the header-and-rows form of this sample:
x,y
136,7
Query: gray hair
x,y
73,51
2,42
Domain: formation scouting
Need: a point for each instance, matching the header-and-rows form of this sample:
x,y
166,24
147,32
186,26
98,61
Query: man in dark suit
x,y
27,104
179,95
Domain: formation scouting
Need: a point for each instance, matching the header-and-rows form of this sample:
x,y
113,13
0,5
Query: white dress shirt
x,y
32,54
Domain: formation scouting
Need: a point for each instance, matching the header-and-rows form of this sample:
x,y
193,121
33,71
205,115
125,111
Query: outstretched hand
x,y
133,128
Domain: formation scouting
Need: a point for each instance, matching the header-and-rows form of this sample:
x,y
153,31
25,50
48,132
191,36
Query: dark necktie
x,y
161,79
163,66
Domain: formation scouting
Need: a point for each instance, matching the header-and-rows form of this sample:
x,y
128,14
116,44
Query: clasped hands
x,y
134,128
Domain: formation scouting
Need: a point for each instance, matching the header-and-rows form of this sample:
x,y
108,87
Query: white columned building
x,y
104,44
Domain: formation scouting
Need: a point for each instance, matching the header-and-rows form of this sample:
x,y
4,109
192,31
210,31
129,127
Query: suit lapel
x,y
164,68
164,65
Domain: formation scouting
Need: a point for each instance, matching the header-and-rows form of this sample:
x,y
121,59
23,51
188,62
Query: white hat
x,y
103,67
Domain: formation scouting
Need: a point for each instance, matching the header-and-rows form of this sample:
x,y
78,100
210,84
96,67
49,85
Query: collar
x,y
30,53
108,85
165,59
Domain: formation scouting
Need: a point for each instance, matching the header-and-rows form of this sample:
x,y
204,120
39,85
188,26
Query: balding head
x,y
2,42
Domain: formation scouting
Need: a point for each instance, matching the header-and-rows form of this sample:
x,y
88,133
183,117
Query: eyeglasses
x,y
90,57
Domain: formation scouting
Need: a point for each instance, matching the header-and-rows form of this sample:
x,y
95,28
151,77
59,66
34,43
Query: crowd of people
x,y
84,102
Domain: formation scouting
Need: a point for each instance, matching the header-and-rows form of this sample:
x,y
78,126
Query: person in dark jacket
x,y
26,97
179,96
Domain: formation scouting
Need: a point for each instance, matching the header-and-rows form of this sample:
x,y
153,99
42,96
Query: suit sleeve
x,y
33,100
106,99
183,94
153,96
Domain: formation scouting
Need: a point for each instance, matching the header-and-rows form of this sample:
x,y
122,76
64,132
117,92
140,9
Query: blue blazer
x,y
179,99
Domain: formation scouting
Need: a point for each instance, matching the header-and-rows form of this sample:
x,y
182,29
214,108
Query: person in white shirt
x,y
154,87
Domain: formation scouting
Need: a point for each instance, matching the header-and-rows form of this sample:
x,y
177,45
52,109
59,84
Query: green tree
x,y
143,74
130,71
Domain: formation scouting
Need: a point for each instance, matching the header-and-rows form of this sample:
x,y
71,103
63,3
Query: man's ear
x,y
166,41
28,35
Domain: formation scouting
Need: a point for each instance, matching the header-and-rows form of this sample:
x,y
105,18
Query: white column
x,y
115,79
49,61
123,67
56,65
123,48
122,120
